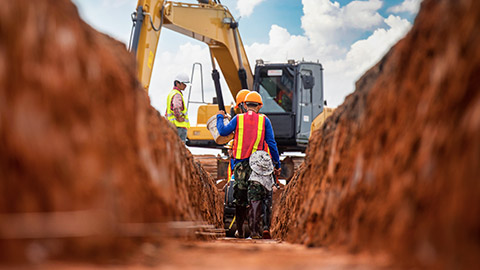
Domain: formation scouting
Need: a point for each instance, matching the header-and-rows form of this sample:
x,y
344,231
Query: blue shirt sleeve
x,y
272,144
224,130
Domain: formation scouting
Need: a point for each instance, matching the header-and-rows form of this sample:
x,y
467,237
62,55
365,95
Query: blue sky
x,y
286,15
347,37
113,17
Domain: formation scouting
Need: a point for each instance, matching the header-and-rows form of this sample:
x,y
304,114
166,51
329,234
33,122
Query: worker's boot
x,y
255,218
266,234
240,213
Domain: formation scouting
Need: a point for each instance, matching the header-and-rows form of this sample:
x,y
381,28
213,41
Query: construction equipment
x,y
293,97
293,91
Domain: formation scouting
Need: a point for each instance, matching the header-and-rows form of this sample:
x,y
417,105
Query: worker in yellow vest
x,y
176,108
253,131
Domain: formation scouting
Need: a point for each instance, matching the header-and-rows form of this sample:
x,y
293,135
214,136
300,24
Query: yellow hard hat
x,y
241,96
254,97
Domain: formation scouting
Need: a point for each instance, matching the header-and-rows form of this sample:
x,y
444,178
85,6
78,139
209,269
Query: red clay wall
x,y
397,167
79,137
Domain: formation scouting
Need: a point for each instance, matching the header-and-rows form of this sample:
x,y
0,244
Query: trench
x,y
93,176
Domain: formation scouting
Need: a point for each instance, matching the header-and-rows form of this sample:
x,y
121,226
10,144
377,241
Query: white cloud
x,y
362,14
245,7
342,67
326,22
281,47
365,53
115,3
410,6
340,75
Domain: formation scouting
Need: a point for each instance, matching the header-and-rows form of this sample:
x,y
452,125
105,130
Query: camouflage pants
x,y
256,191
241,173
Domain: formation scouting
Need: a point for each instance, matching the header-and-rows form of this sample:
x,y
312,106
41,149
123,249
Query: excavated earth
x,y
397,167
88,168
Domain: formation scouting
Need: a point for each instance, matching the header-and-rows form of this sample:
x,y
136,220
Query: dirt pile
x,y
84,159
397,167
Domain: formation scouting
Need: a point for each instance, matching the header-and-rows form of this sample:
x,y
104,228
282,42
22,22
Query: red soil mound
x,y
397,167
81,149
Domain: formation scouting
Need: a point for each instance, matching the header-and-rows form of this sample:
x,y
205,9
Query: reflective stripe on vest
x,y
171,115
238,142
249,135
229,172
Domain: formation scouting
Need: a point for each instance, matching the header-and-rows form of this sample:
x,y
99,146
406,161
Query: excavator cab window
x,y
276,88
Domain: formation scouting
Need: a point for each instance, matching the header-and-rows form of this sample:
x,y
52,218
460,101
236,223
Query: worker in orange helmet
x,y
253,132
240,98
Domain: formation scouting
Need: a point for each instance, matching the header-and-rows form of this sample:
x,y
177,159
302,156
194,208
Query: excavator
x,y
292,92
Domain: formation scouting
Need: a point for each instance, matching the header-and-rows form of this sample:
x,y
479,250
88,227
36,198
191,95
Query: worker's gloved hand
x,y
277,172
221,113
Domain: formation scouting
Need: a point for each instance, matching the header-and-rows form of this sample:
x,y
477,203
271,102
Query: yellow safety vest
x,y
171,116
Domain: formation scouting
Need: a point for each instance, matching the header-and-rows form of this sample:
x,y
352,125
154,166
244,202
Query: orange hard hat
x,y
254,97
241,96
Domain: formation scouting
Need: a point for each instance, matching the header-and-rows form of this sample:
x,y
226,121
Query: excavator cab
x,y
292,94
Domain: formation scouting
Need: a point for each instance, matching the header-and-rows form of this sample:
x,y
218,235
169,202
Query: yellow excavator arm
x,y
208,21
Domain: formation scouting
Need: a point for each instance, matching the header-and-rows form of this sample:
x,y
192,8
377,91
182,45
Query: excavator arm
x,y
208,21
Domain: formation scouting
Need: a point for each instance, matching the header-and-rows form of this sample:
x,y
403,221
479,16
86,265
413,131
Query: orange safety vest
x,y
249,135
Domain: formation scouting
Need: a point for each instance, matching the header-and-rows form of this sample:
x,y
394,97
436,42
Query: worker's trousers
x,y
256,196
182,133
241,173
267,210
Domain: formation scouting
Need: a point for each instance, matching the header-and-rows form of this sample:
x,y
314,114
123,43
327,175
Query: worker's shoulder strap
x,y
240,119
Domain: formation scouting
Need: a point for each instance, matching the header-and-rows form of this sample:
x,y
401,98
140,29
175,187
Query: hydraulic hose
x,y
218,89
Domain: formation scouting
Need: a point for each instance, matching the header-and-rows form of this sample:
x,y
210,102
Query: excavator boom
x,y
209,22
147,21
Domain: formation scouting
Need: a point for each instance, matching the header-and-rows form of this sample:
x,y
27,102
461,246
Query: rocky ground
x,y
229,253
